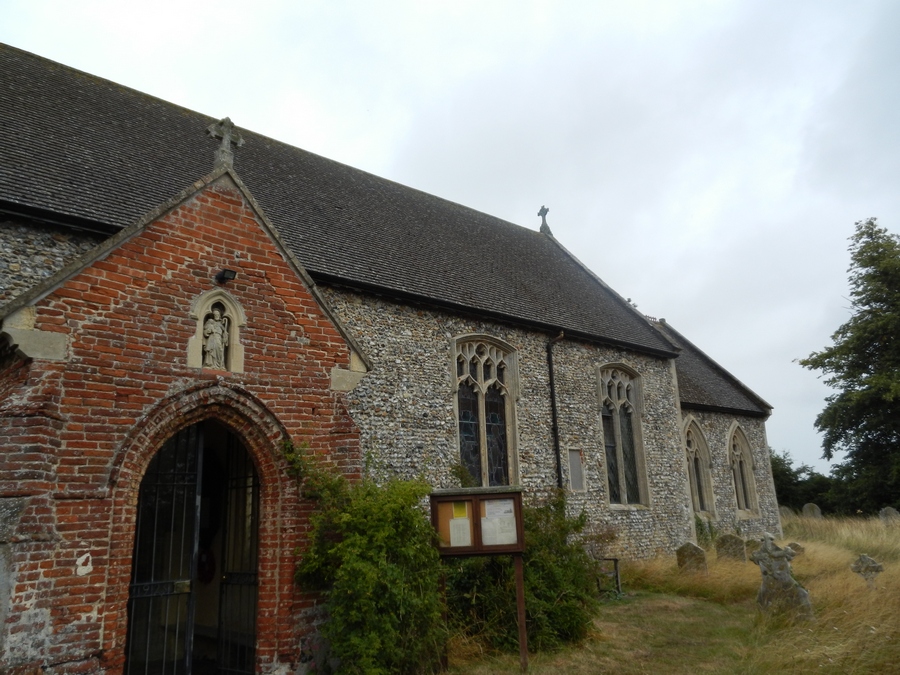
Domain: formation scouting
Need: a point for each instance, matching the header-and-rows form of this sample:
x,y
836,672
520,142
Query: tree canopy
x,y
862,417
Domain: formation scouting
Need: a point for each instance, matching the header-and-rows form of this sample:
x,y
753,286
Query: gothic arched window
x,y
621,421
485,382
742,472
698,465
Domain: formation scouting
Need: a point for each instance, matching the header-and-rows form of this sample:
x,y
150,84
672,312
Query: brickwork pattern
x,y
77,434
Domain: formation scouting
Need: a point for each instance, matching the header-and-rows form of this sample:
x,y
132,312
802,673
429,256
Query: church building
x,y
182,299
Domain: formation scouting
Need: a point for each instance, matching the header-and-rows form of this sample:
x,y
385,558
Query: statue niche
x,y
215,338
216,341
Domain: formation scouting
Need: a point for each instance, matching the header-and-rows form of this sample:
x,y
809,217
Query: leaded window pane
x,y
495,429
612,460
629,457
743,487
469,441
698,482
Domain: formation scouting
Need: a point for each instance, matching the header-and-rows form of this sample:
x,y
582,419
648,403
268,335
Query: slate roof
x,y
94,154
704,385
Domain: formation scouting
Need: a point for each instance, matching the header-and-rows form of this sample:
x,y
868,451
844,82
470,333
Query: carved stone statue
x,y
215,340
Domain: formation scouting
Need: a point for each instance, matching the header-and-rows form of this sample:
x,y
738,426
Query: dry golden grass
x,y
672,622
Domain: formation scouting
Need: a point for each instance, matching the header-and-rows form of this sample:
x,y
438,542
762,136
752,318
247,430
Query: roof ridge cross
x,y
225,130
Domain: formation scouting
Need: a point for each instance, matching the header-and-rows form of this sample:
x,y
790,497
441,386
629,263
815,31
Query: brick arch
x,y
261,435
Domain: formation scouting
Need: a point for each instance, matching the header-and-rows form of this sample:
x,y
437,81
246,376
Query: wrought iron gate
x,y
176,515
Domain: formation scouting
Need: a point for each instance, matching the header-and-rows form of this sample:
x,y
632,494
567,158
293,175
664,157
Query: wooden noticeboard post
x,y
484,521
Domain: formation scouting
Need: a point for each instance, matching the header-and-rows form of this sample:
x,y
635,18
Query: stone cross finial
x,y
545,229
224,129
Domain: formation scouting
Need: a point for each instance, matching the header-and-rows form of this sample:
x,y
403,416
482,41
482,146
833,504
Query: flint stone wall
x,y
32,253
716,428
405,411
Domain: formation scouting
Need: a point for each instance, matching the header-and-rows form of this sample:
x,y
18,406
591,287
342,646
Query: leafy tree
x,y
862,419
796,486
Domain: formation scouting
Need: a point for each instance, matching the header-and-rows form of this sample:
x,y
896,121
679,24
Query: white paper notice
x,y
498,527
498,531
460,532
499,508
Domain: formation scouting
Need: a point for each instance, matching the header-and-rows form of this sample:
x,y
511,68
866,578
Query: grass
x,y
672,622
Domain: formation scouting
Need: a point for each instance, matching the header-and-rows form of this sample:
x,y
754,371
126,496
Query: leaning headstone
x,y
889,515
691,558
731,546
867,568
779,592
796,548
786,512
811,511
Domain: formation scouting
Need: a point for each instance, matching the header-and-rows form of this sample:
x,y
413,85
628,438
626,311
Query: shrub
x,y
560,585
372,554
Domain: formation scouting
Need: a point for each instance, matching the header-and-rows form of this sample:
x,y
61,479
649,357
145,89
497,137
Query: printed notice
x,y
460,532
460,510
498,527
499,508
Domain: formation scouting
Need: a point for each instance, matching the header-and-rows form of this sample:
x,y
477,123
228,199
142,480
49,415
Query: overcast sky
x,y
707,159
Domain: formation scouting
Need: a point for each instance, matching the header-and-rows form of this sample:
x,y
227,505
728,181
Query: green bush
x,y
372,553
560,586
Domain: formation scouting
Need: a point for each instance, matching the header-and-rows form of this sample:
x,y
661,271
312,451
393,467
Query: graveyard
x,y
685,620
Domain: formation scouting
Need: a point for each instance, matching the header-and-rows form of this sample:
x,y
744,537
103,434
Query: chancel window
x,y
485,382
742,472
697,455
620,417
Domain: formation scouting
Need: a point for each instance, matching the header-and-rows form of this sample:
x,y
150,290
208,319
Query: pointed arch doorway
x,y
193,592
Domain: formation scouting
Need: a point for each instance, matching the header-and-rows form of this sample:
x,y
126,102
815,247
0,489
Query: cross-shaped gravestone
x,y
867,568
224,129
779,592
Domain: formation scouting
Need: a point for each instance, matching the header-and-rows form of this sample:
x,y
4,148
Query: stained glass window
x,y
742,471
621,440
485,408
698,469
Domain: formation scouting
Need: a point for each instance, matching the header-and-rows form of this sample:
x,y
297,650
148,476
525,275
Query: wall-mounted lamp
x,y
225,275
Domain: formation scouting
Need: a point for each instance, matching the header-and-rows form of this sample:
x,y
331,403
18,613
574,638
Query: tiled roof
x,y
704,385
91,151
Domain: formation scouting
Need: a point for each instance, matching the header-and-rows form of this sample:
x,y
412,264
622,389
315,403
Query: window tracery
x,y
485,379
623,448
742,472
698,465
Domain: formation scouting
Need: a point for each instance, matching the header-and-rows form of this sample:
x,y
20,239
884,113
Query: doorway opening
x,y
193,593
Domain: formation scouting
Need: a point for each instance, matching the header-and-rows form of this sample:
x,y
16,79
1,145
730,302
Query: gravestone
x,y
779,592
811,511
889,515
796,548
731,546
786,512
867,568
691,558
